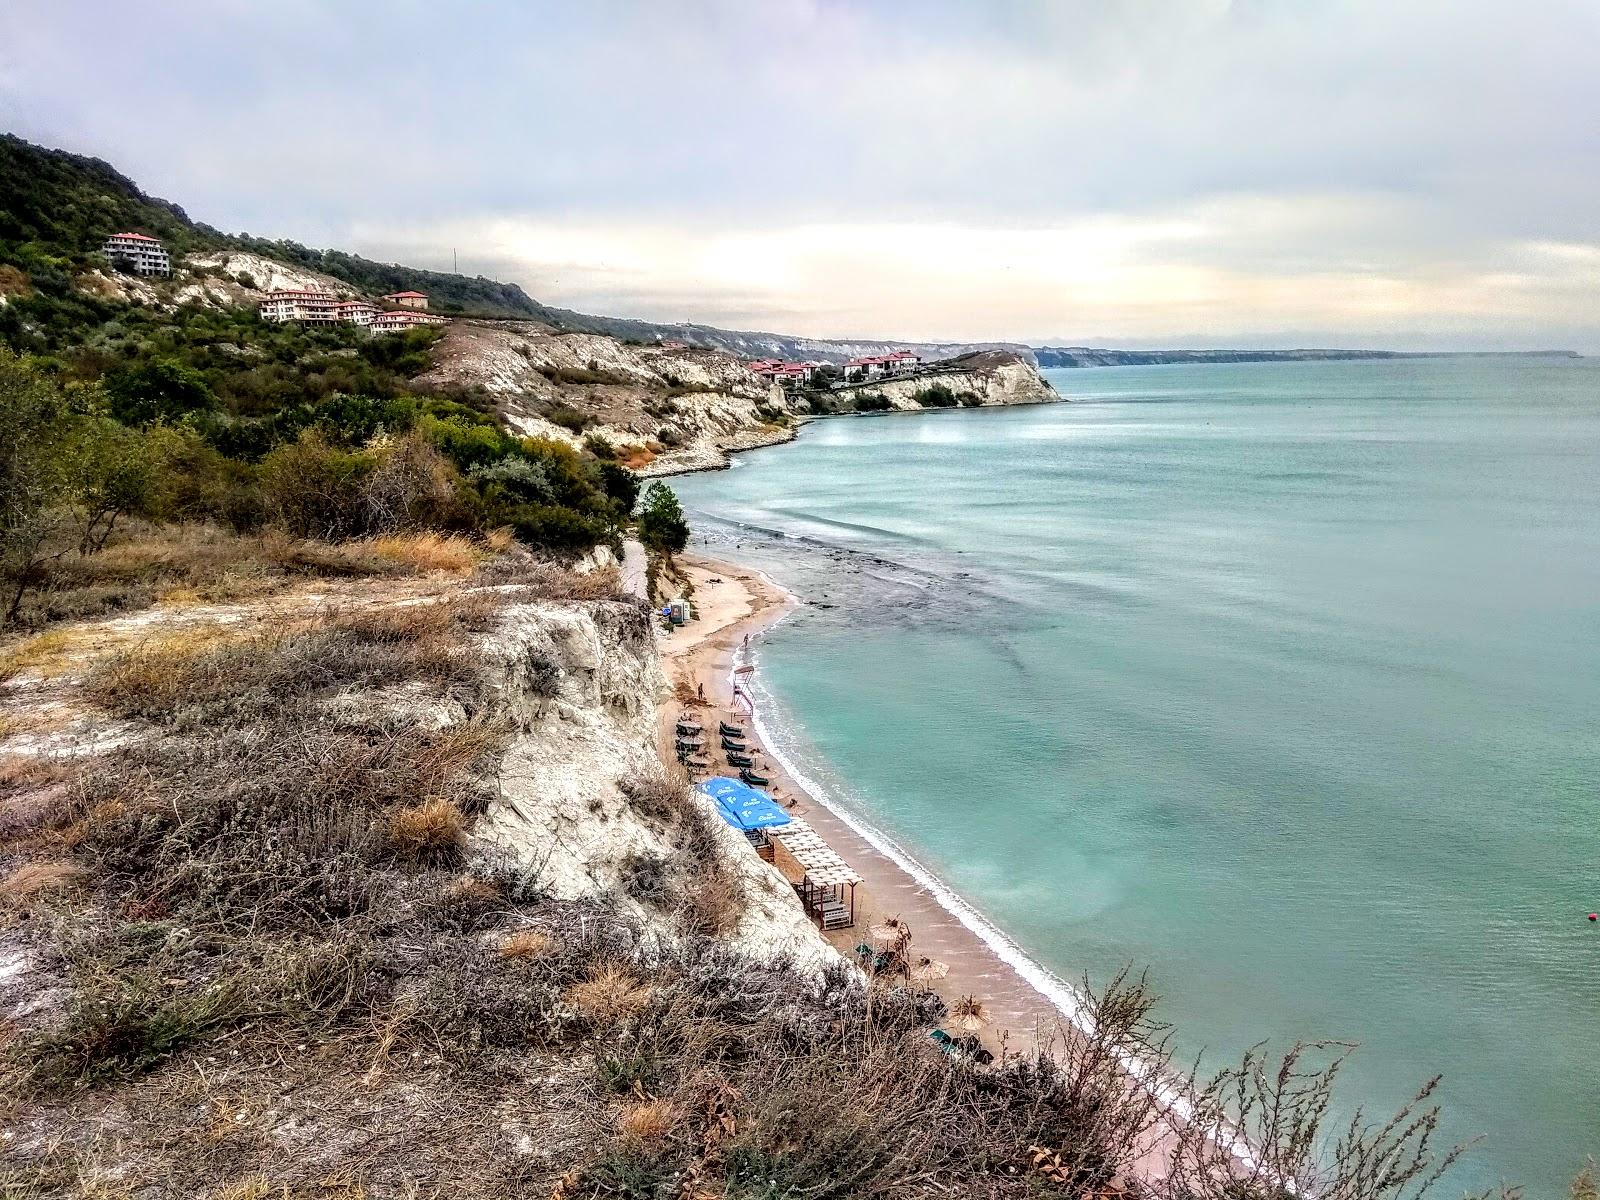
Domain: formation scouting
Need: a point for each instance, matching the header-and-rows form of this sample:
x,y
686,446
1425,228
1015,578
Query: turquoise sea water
x,y
1281,679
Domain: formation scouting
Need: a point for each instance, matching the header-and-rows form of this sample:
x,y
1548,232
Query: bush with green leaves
x,y
662,526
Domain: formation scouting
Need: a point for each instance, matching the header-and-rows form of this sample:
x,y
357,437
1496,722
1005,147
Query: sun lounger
x,y
740,760
730,730
834,915
754,780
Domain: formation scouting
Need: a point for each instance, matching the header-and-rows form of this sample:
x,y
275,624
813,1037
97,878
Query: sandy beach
x,y
733,603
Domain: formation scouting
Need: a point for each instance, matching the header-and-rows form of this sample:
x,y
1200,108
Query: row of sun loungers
x,y
689,740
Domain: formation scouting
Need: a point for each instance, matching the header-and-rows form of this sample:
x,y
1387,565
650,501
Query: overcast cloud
x,y
1417,173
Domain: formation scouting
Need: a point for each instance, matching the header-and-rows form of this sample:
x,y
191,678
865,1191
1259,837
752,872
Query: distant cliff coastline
x,y
1084,356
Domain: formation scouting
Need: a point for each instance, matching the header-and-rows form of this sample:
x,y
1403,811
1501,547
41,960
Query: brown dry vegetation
x,y
147,564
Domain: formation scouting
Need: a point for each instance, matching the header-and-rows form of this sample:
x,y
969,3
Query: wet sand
x,y
735,602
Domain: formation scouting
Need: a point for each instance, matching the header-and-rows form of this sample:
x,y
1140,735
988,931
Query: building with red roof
x,y
418,300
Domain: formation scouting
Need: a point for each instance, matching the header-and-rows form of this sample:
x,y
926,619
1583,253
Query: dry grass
x,y
254,1187
32,880
431,832
526,943
197,563
541,580
161,675
429,553
42,653
649,1122
609,995
714,904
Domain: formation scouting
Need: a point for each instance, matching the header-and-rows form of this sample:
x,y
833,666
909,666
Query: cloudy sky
x,y
1410,173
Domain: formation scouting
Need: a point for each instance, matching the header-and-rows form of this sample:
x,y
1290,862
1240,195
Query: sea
x,y
1280,681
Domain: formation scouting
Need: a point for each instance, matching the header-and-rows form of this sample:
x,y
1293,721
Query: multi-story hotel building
x,y
139,253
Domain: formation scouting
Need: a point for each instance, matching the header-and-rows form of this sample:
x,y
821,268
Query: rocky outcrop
x,y
666,409
580,685
992,377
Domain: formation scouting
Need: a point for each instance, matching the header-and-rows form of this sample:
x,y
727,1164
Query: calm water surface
x,y
1283,679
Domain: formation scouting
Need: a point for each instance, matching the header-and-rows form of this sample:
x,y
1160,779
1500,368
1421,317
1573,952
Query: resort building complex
x,y
138,253
325,308
789,374
404,319
877,366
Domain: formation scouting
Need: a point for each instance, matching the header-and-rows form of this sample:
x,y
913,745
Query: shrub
x,y
608,996
599,446
871,402
936,395
315,490
645,878
126,1031
568,417
432,832
661,523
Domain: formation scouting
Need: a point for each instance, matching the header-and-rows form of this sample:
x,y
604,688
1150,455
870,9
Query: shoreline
x,y
1024,1012
1029,1008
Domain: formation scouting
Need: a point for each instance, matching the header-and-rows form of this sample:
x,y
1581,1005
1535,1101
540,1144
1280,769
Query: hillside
x,y
667,409
57,208
588,382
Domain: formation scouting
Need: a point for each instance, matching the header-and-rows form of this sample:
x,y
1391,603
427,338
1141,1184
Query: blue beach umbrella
x,y
745,808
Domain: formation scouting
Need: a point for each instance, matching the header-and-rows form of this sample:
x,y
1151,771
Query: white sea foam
x,y
1173,1094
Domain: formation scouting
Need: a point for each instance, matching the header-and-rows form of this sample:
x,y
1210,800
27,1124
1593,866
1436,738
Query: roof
x,y
406,296
821,864
299,292
138,237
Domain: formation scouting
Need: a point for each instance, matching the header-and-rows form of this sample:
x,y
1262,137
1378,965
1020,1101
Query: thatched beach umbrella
x,y
926,970
891,930
968,1013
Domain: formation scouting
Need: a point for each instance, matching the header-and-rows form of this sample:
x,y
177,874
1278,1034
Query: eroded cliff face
x,y
995,378
581,686
665,409
668,410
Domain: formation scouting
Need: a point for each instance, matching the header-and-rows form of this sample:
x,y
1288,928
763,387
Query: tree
x,y
160,390
661,523
112,472
33,473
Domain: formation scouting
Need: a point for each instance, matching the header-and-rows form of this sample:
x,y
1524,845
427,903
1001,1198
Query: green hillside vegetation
x,y
56,210
116,413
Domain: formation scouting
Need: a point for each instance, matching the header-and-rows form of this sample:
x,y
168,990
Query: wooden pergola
x,y
828,885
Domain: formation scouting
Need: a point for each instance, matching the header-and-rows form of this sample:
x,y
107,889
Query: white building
x,y
358,312
297,305
403,319
139,253
417,300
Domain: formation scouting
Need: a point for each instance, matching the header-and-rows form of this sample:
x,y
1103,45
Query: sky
x,y
1413,174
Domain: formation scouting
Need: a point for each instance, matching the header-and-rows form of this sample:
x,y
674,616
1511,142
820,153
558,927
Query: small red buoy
x,y
1594,916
